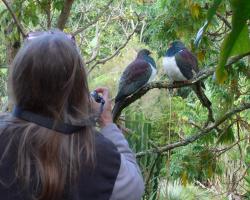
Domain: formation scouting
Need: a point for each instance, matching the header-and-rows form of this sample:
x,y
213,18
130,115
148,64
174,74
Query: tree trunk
x,y
12,47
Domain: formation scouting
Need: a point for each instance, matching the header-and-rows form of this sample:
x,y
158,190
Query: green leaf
x,y
2,13
195,10
58,4
211,12
247,179
227,137
163,3
248,150
35,20
242,43
237,41
208,139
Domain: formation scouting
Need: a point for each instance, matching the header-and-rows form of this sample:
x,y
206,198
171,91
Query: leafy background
x,y
215,166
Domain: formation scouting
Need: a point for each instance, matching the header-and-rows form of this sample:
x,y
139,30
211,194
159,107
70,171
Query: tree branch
x,y
224,20
19,25
96,48
94,21
237,58
159,84
224,150
47,10
164,84
196,136
103,61
64,14
48,14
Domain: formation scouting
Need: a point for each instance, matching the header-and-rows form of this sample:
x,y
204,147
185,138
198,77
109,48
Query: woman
x,y
49,149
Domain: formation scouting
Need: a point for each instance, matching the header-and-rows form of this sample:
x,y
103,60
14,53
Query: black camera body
x,y
97,97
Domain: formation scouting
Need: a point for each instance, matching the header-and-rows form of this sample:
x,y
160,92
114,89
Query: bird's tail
x,y
116,111
204,100
201,95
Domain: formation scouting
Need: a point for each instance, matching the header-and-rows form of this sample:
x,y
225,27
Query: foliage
x,y
210,14
195,162
140,138
237,41
3,88
176,191
219,160
247,177
166,28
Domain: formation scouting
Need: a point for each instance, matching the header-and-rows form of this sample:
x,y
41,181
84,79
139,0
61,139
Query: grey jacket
x,y
116,175
129,184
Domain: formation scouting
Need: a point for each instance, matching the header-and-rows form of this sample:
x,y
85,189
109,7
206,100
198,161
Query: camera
x,y
97,97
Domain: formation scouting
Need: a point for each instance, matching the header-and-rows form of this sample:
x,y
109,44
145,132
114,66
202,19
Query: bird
x,y
137,74
181,65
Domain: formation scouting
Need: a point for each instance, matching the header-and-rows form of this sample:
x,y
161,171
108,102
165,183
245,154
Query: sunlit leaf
x,y
184,178
242,43
195,10
237,41
210,170
201,55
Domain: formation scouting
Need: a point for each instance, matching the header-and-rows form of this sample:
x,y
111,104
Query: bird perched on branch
x,y
138,73
181,65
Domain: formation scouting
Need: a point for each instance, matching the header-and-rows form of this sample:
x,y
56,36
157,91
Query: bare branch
x,y
96,48
19,25
224,20
48,14
79,20
224,150
207,130
142,29
103,61
124,29
64,14
195,125
107,22
236,58
47,10
94,21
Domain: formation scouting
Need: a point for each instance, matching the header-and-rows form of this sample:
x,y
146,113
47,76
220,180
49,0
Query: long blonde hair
x,y
48,78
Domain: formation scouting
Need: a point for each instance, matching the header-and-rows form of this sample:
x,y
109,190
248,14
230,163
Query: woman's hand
x,y
106,115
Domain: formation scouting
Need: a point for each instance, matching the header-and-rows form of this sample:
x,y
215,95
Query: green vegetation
x,y
214,165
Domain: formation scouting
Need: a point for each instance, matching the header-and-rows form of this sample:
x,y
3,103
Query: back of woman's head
x,y
48,78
